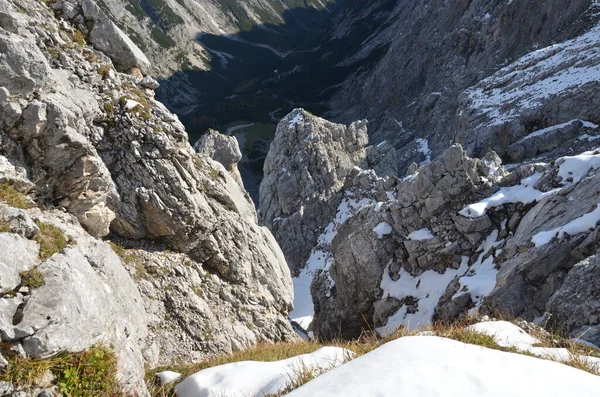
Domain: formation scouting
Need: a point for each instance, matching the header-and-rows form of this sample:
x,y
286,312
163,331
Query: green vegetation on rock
x,y
51,240
88,374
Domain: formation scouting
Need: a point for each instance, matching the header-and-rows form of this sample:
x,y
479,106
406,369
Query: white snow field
x,y
430,366
257,379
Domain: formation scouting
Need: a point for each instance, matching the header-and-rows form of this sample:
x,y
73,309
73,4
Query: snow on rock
x,y
296,120
585,222
429,366
526,83
428,288
510,335
573,168
480,279
423,147
524,193
505,334
421,235
167,377
321,259
383,229
130,104
586,124
256,379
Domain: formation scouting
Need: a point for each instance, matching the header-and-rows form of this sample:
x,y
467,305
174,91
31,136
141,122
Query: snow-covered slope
x,y
258,379
429,366
540,92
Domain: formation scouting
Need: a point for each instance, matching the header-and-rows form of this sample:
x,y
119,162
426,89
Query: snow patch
x,y
383,229
585,222
423,147
480,279
421,235
251,378
428,288
130,104
167,377
427,366
509,335
321,259
572,169
524,193
299,118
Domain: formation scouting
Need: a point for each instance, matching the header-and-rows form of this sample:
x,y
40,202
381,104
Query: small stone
x,y
149,82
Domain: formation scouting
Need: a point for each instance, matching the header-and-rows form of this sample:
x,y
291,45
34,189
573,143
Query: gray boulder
x,y
222,149
108,38
23,67
19,254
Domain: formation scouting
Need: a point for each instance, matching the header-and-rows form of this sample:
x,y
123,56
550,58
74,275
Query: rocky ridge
x,y
433,53
457,237
188,273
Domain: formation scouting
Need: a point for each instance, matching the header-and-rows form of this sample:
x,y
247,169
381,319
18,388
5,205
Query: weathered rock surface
x,y
223,149
426,252
540,102
86,298
575,305
422,57
106,37
98,155
308,165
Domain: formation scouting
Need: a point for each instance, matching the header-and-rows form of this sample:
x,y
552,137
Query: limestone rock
x,y
108,38
23,67
575,304
309,162
222,149
19,254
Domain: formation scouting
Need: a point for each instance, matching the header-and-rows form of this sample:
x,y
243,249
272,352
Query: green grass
x,y
12,197
51,240
32,279
88,374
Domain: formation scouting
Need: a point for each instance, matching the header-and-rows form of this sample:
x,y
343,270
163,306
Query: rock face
x,y
457,237
308,165
86,297
539,103
223,149
575,304
190,274
422,57
106,37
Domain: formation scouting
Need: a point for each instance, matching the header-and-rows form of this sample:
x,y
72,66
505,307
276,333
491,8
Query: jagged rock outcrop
x,y
459,235
223,149
107,38
98,154
309,163
420,58
82,295
441,257
378,240
543,101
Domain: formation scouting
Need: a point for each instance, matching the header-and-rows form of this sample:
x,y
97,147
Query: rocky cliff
x,y
459,236
86,152
434,52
